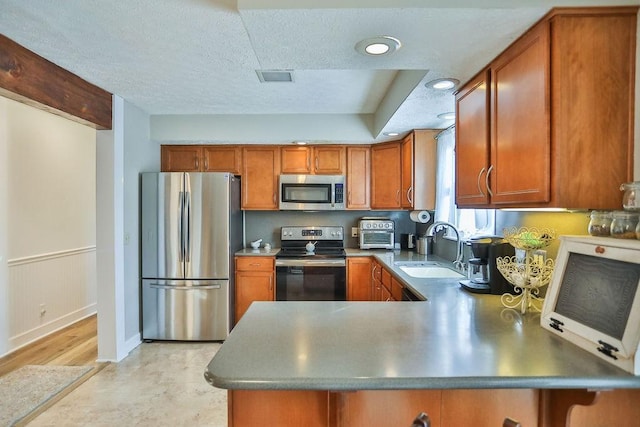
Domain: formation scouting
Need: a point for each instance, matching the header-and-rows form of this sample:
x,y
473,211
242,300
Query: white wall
x,y
122,153
4,227
50,222
140,155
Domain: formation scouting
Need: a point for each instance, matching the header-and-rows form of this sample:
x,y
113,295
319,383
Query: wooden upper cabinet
x,y
201,158
419,170
406,192
472,141
592,104
260,171
295,160
358,177
385,175
556,112
318,160
520,134
180,158
329,160
222,158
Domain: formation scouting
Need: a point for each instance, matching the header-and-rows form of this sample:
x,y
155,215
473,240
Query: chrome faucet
x,y
439,225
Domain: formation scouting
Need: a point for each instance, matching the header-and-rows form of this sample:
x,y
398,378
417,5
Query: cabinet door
x,y
396,290
358,178
367,408
423,195
255,280
376,281
385,176
295,160
593,107
520,110
281,408
407,189
359,279
329,160
260,172
472,142
222,159
180,158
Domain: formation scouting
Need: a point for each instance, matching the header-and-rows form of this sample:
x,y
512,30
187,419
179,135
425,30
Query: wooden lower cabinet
x,y
281,408
255,281
445,408
359,279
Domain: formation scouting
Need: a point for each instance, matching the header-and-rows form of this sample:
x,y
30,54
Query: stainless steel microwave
x,y
312,192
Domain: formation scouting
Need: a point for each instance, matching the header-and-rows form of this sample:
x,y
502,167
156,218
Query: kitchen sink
x,y
428,270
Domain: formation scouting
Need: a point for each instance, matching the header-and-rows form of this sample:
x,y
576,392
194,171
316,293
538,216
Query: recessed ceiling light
x,y
377,46
447,116
300,142
442,84
391,133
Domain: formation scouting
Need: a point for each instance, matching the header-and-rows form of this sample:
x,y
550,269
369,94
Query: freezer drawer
x,y
175,312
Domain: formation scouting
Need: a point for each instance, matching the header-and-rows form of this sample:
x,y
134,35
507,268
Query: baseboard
x,y
42,331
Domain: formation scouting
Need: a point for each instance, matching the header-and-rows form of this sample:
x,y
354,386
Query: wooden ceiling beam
x,y
33,80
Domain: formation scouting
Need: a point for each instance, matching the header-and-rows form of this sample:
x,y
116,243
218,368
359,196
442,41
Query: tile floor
x,y
158,384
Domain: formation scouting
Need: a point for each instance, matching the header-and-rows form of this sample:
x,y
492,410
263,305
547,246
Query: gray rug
x,y
26,389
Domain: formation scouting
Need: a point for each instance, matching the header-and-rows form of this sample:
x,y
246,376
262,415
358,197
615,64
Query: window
x,y
470,222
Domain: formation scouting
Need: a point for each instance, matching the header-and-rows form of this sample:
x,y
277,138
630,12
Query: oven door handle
x,y
311,262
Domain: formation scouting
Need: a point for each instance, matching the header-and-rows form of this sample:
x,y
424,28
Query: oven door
x,y
311,279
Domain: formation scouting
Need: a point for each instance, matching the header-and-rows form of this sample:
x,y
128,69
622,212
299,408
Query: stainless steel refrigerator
x,y
191,228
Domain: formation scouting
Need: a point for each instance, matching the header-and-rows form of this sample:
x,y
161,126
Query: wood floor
x,y
75,345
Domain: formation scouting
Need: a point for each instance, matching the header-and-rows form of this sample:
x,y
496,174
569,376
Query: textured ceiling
x,y
199,57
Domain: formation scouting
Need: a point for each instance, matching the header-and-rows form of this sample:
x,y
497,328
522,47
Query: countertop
x,y
454,339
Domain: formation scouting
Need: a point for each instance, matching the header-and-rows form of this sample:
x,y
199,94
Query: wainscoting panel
x,y
50,291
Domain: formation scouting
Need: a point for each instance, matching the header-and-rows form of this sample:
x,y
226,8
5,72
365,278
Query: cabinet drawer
x,y
255,263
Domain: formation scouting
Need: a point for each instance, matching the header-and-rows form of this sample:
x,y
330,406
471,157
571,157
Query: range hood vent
x,y
269,76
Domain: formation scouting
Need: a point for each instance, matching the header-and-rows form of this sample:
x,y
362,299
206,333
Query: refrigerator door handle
x,y
187,215
184,288
180,225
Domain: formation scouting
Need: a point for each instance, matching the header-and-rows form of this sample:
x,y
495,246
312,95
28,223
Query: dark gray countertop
x,y
452,340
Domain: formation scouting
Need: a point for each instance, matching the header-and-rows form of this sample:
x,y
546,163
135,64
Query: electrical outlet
x,y
43,310
354,231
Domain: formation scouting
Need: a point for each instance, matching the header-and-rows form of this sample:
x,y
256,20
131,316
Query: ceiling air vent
x,y
268,76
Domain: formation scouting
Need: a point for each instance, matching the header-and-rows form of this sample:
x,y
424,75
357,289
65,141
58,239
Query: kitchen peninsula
x,y
459,357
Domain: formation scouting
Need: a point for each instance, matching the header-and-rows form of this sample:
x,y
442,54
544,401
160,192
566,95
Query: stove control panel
x,y
311,233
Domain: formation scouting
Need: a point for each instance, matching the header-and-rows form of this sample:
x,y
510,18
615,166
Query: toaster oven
x,y
376,233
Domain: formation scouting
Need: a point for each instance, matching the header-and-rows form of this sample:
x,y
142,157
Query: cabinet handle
x,y
486,181
373,273
308,163
255,264
317,163
270,283
398,196
478,182
274,198
410,195
206,163
197,162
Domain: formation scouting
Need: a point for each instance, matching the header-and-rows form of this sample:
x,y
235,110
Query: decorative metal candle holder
x,y
527,274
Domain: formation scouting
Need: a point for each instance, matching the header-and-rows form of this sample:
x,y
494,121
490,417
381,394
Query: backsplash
x,y
266,225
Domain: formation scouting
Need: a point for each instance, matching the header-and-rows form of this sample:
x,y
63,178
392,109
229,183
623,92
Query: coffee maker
x,y
483,275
